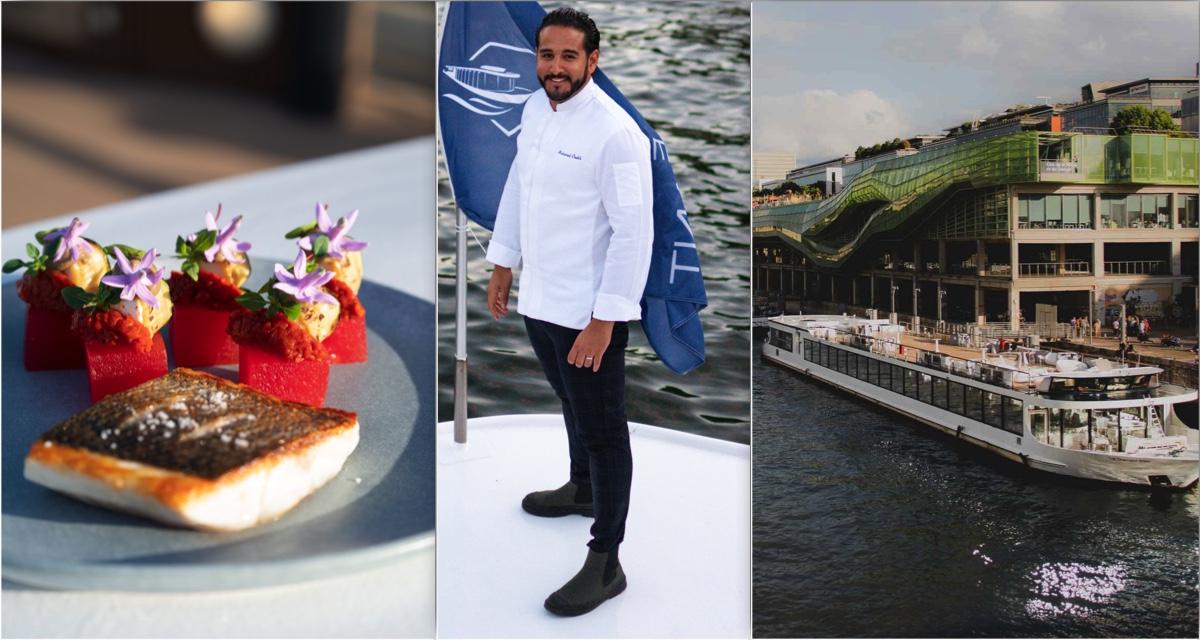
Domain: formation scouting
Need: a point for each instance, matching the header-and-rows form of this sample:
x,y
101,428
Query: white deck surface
x,y
687,541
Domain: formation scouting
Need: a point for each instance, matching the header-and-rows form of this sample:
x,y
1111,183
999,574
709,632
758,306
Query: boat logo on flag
x,y
492,89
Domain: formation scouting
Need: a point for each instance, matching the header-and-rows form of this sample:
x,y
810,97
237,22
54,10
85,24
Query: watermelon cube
x,y
348,342
113,368
271,373
198,337
49,341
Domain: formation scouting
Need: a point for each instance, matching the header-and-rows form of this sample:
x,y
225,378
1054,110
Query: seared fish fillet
x,y
194,450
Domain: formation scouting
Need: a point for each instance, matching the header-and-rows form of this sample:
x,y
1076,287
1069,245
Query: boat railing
x,y
1001,374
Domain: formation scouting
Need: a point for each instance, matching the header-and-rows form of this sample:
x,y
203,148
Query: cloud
x,y
819,124
1064,43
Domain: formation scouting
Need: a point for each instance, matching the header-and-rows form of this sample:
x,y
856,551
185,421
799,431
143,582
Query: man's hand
x,y
498,288
591,344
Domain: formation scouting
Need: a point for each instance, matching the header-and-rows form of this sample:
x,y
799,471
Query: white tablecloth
x,y
393,186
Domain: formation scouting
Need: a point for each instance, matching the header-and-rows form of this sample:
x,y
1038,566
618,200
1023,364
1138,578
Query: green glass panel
x,y
1053,211
1070,210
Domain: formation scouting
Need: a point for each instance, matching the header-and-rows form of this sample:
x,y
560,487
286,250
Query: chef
x,y
576,215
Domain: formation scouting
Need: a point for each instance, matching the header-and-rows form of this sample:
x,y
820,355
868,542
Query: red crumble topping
x,y
210,291
44,290
112,327
276,333
351,307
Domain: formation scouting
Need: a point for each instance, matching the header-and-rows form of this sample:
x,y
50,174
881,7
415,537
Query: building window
x,y
1187,211
1135,211
1054,211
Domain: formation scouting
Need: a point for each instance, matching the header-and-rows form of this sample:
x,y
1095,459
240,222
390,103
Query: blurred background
x,y
105,101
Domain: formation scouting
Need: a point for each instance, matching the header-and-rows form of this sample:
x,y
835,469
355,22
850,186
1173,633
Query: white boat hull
x,y
1178,472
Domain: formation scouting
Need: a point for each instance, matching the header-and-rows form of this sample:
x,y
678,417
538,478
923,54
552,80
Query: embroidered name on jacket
x,y
573,156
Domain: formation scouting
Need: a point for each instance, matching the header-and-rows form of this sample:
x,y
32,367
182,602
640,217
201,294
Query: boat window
x,y
1086,388
1014,416
842,360
864,368
910,383
939,392
1054,434
955,392
823,355
1073,424
926,383
974,403
780,339
1037,425
1133,427
873,366
807,349
896,373
992,409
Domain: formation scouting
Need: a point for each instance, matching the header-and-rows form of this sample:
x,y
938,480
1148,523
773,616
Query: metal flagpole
x,y
460,333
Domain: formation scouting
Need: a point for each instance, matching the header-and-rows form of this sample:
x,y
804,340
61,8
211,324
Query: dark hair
x,y
576,19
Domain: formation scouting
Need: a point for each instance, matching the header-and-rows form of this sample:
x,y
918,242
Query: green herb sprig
x,y
192,251
272,299
39,260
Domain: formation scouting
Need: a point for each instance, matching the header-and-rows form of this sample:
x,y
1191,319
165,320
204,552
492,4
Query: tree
x,y
1139,118
789,187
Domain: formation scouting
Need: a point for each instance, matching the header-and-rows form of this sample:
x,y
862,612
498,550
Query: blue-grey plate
x,y
380,507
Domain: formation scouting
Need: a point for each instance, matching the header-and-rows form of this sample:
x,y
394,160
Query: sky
x,y
830,76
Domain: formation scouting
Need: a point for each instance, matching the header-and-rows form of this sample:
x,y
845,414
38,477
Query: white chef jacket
x,y
577,211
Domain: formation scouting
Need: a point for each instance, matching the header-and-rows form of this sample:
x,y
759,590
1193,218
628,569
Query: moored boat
x,y
1049,410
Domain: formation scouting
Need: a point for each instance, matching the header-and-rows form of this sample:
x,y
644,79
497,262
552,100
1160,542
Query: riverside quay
x,y
995,231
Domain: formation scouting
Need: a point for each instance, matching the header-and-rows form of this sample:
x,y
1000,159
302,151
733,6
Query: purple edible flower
x,y
339,242
72,240
304,287
226,245
135,281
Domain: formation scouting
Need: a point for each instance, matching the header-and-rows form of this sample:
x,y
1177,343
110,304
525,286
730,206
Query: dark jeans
x,y
593,405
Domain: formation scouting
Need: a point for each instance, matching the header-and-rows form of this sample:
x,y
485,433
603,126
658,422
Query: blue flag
x,y
486,72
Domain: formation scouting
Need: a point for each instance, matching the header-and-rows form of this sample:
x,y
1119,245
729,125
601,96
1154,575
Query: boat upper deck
x,y
1014,366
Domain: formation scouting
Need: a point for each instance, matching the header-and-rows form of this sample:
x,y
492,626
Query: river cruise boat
x,y
1049,410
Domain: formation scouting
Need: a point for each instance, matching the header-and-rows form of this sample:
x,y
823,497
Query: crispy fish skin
x,y
194,450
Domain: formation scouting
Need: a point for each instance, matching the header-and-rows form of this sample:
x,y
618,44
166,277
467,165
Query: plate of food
x,y
194,481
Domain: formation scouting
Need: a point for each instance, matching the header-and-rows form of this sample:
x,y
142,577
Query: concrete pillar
x,y
941,256
804,284
1176,257
1096,210
854,290
940,294
980,312
980,257
917,266
1014,309
872,299
1061,254
916,309
832,288
892,301
1098,258
1014,258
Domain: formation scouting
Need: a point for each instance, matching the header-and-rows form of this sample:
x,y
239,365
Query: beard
x,y
564,94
